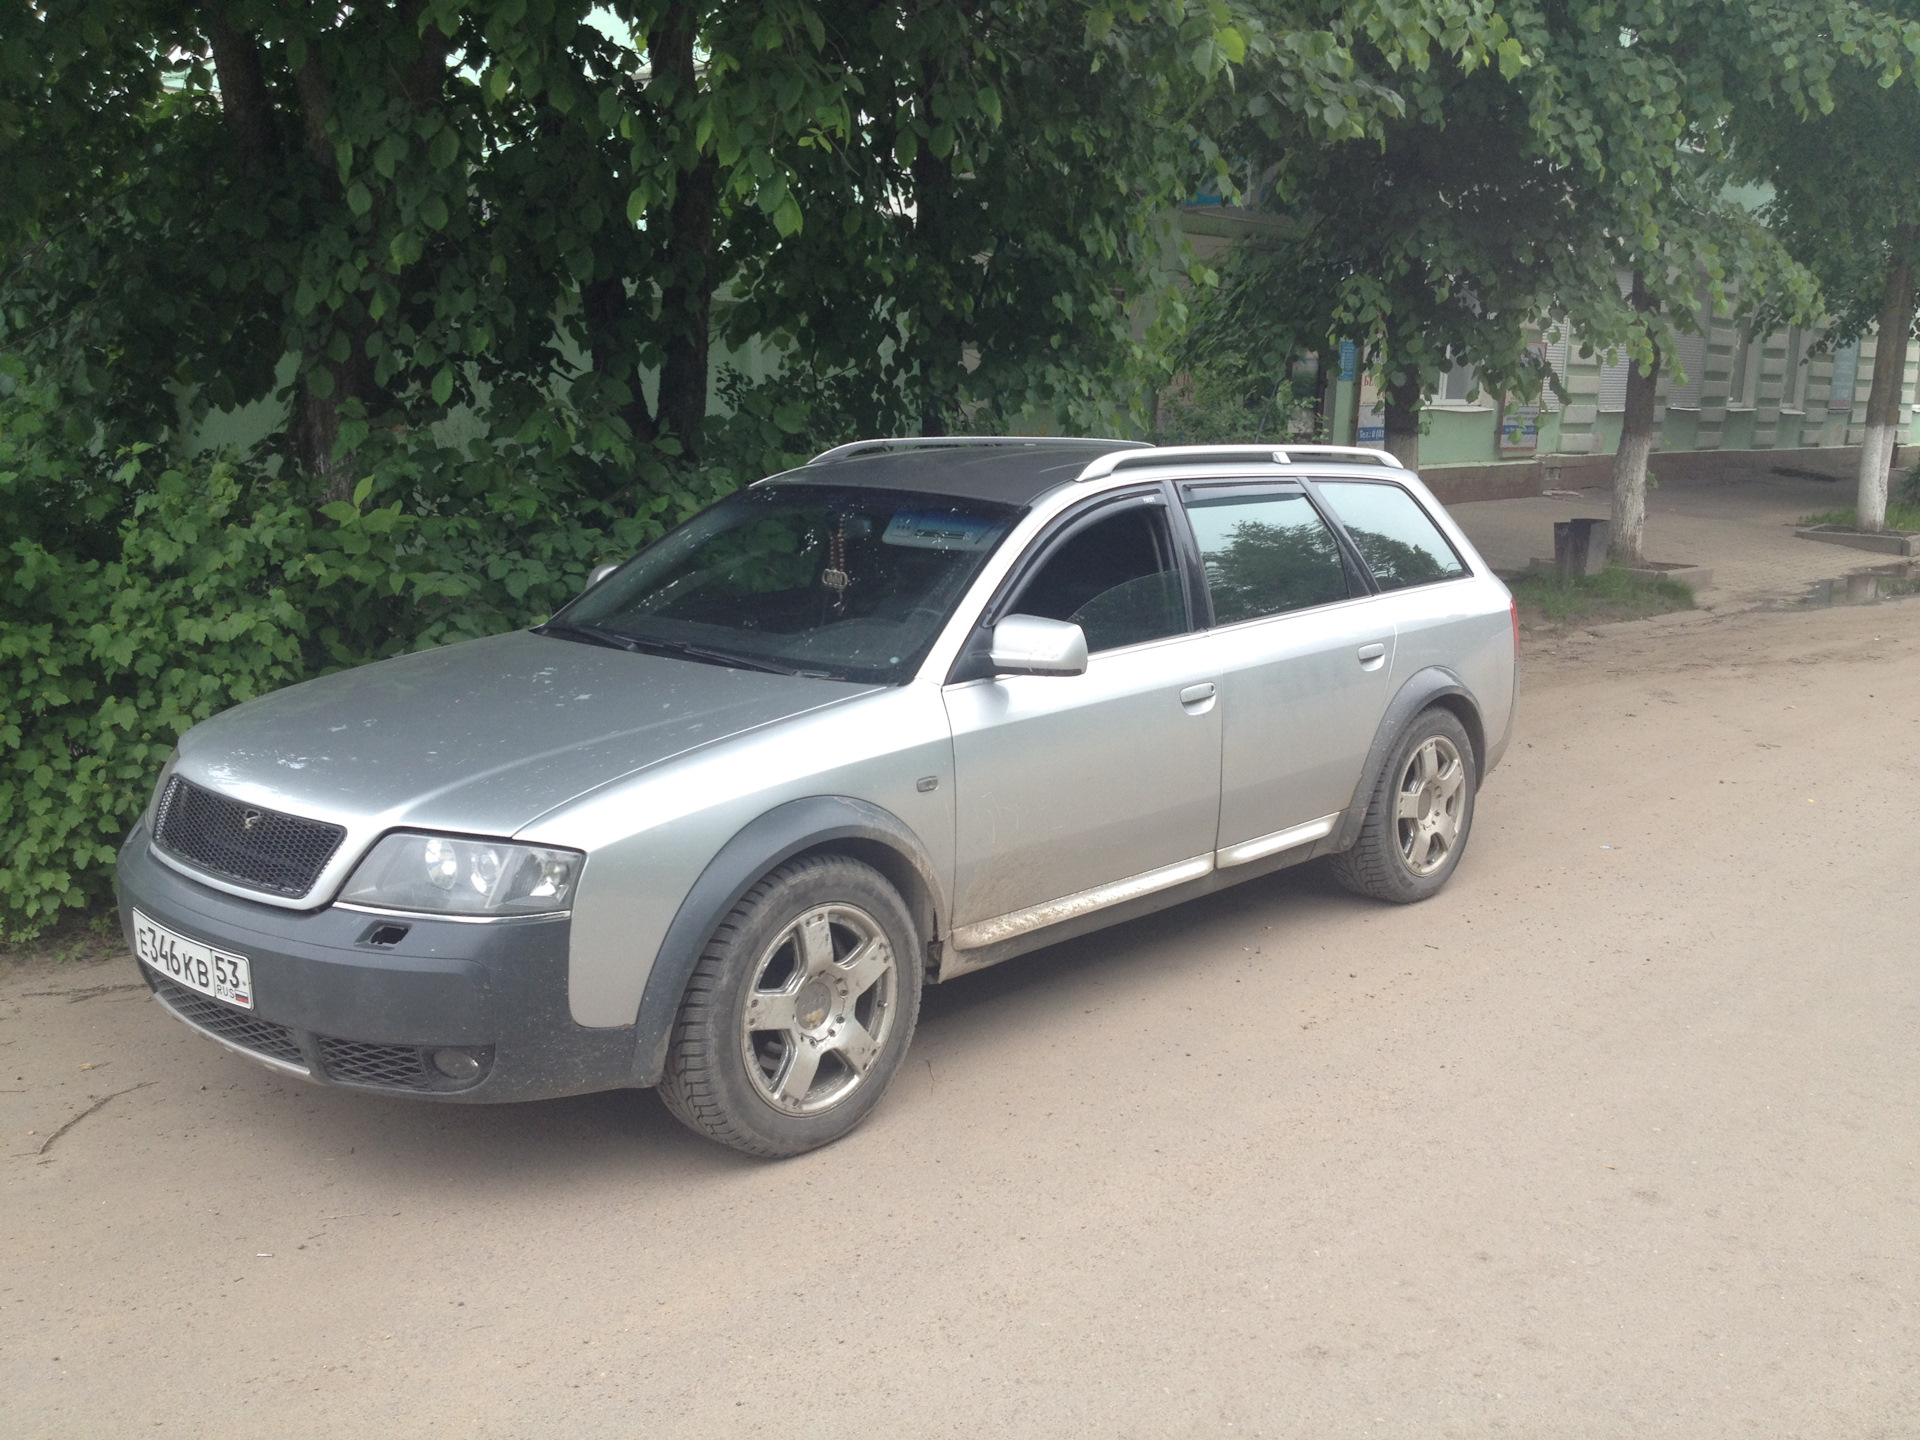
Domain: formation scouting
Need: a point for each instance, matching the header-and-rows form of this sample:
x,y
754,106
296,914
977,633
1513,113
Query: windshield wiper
x,y
636,645
727,657
567,630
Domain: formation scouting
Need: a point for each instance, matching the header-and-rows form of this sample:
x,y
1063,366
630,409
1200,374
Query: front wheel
x,y
1418,815
799,1011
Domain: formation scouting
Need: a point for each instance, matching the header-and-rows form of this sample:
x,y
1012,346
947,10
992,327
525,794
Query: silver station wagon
x,y
894,716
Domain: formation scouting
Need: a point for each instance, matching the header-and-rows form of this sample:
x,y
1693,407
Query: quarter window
x,y
1116,579
1265,554
1400,544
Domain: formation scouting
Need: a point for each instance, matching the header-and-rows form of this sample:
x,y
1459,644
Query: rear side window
x,y
1393,534
1265,554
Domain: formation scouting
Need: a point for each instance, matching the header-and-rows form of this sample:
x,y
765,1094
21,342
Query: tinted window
x,y
1265,554
1116,579
1393,534
848,582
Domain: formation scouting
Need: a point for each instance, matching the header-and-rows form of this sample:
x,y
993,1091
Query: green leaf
x,y
359,200
443,385
787,218
990,104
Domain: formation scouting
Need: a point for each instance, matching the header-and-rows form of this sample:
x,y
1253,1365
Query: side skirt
x,y
1204,876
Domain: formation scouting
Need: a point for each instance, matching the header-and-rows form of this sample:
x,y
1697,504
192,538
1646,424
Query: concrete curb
x,y
1881,542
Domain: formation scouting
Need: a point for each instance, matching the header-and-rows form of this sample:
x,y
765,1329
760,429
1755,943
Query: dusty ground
x,y
1618,1137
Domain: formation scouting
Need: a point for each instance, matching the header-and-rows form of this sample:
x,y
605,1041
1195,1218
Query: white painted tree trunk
x,y
1876,453
1883,399
1626,535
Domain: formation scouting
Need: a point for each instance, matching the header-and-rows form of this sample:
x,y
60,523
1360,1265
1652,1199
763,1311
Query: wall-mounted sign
x,y
1846,369
1372,426
1519,429
1349,359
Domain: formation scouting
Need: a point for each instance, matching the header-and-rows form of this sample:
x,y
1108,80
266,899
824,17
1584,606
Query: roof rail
x,y
1361,454
1233,454
937,442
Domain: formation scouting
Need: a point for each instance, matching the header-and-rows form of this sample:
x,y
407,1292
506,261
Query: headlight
x,y
465,877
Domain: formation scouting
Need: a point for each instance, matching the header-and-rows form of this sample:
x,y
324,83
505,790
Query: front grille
x,y
391,1067
283,854
236,1027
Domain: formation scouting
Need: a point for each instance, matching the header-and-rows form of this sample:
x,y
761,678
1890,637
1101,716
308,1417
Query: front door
x,y
1075,792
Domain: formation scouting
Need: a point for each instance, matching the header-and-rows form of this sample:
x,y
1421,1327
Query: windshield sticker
x,y
941,532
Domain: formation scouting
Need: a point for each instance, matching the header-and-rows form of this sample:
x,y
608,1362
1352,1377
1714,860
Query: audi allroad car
x,y
871,724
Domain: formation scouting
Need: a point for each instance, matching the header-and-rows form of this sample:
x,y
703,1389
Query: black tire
x,y
795,952
1398,858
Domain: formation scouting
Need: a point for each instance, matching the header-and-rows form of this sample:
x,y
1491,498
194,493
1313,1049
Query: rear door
x,y
1305,651
1412,564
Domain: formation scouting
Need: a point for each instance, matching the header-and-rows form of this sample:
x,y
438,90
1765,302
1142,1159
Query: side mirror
x,y
1029,645
600,572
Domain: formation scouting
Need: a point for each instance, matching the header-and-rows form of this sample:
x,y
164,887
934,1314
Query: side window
x,y
1393,534
1265,554
1117,580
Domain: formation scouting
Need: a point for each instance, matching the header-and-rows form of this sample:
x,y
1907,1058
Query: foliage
x,y
1613,594
221,582
1518,179
1230,400
1845,185
1904,517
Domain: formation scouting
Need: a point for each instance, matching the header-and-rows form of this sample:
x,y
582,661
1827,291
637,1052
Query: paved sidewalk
x,y
1743,530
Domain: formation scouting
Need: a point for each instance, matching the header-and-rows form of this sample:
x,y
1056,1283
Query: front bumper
x,y
336,1009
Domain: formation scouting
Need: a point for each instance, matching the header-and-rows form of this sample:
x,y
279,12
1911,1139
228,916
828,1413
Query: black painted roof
x,y
1010,472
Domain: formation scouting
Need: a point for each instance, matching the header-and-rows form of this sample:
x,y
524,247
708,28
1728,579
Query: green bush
x,y
143,595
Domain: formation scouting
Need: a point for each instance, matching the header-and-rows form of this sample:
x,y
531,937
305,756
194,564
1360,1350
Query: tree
x,y
1846,202
1434,240
1497,200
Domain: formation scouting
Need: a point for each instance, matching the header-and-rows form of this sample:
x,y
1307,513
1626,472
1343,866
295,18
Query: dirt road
x,y
1618,1137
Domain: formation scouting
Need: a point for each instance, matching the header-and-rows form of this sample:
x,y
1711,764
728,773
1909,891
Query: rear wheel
x,y
799,1011
1418,816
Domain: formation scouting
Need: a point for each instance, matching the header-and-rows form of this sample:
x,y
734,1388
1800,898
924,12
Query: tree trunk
x,y
606,305
1322,397
941,344
329,380
326,384
686,223
1627,532
1883,400
244,103
1403,416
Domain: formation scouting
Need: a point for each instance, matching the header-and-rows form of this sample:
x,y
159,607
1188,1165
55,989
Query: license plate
x,y
218,973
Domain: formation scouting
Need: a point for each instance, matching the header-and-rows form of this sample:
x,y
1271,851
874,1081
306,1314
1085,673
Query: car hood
x,y
482,737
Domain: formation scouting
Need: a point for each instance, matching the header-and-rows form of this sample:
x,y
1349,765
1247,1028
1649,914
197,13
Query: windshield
x,y
849,583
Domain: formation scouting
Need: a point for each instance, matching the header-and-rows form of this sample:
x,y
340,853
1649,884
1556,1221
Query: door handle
x,y
1372,652
1194,694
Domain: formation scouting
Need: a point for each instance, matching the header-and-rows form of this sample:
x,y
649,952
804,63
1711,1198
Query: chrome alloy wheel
x,y
820,1009
1431,796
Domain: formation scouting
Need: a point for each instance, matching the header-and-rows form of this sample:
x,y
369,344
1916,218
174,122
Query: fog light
x,y
456,1064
